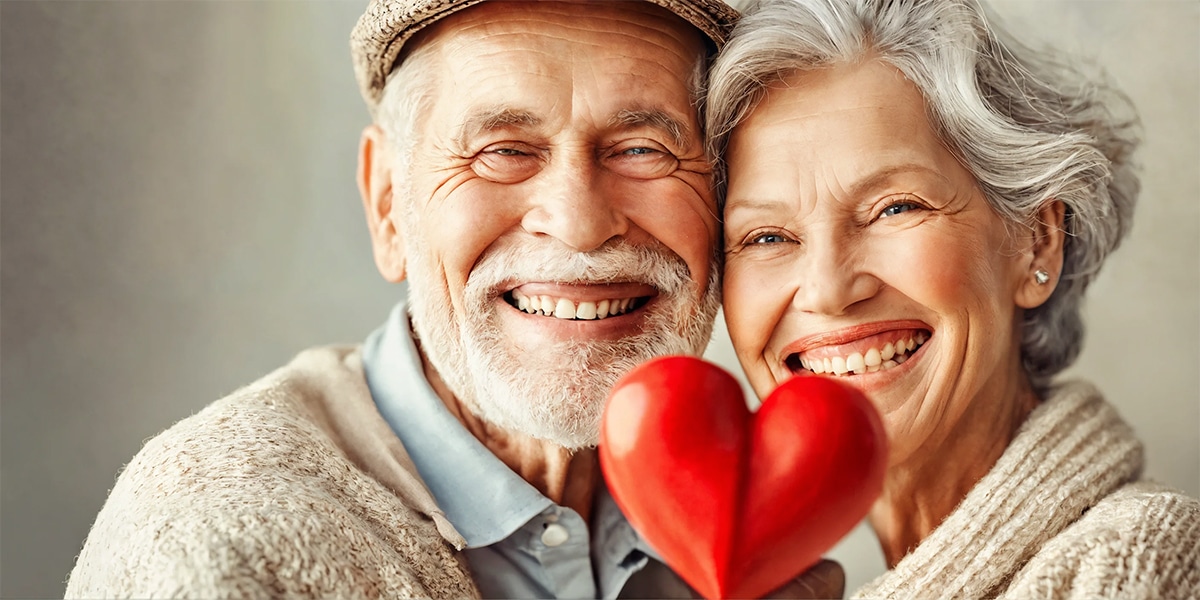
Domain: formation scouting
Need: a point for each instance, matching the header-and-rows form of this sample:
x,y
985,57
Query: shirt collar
x,y
484,499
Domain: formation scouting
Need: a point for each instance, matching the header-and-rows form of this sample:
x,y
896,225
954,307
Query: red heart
x,y
739,503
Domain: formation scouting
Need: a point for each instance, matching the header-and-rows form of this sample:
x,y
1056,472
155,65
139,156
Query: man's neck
x,y
568,478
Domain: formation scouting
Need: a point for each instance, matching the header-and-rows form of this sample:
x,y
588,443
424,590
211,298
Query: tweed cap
x,y
377,39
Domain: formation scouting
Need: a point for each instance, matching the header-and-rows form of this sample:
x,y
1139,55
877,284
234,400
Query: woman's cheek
x,y
929,270
755,298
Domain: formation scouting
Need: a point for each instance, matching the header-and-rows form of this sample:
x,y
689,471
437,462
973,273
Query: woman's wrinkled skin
x,y
850,229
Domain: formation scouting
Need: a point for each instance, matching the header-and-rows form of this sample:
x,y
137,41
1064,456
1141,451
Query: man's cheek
x,y
685,231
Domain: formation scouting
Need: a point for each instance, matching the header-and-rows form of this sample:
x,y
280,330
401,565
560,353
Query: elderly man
x,y
536,172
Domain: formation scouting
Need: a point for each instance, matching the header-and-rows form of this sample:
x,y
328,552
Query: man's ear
x,y
1042,260
375,186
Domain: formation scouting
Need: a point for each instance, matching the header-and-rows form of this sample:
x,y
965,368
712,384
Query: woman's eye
x,y
507,152
769,238
897,208
638,151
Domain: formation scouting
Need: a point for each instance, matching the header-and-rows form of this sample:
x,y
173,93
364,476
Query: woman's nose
x,y
573,205
833,277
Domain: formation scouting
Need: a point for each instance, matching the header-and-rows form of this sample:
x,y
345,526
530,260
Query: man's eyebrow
x,y
492,118
656,119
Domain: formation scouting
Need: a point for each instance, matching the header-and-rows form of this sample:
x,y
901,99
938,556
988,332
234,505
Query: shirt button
x,y
555,535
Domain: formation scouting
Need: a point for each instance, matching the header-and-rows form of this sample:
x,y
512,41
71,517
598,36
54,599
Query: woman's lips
x,y
857,350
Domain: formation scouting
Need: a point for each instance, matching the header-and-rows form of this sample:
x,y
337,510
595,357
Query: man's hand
x,y
825,579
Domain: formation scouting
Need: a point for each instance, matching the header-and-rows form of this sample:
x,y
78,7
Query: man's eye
x,y
507,164
641,162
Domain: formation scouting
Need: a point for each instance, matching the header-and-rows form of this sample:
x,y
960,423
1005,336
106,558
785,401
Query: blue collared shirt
x,y
520,544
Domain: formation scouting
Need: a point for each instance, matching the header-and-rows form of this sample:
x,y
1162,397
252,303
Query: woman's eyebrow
x,y
880,177
753,204
866,186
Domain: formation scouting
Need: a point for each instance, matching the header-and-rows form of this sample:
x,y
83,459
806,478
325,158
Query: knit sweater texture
x,y
294,486
1062,514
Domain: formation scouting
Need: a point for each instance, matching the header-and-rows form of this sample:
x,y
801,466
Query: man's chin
x,y
546,376
553,391
555,420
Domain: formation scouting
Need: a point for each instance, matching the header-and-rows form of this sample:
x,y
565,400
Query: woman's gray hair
x,y
1028,126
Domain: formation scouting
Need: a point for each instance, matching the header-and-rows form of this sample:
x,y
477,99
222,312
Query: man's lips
x,y
857,350
580,302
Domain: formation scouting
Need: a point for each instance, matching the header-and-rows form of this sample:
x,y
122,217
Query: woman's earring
x,y
1041,277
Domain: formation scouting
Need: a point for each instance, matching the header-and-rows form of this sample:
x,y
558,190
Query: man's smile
x,y
586,302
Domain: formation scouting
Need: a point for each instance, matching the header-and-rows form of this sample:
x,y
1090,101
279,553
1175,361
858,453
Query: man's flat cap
x,y
377,39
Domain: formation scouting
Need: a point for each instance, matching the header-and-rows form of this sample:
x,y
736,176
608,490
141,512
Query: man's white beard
x,y
558,392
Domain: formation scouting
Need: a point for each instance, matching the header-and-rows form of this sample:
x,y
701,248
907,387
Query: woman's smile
x,y
859,350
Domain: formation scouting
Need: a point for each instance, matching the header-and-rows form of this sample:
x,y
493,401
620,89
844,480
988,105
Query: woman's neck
x,y
919,493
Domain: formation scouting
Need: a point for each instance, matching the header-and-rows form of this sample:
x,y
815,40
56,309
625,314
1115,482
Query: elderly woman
x,y
915,205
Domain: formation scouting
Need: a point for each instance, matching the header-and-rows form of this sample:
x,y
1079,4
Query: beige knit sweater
x,y
1061,515
294,486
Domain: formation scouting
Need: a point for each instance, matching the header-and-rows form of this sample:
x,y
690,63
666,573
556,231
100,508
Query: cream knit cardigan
x,y
1061,515
295,486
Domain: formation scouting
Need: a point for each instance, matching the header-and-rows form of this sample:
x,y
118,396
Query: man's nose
x,y
573,204
833,277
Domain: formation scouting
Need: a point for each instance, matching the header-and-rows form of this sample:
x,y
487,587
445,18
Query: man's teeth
x,y
889,356
562,308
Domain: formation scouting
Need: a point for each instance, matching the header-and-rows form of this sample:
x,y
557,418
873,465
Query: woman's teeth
x,y
891,355
562,308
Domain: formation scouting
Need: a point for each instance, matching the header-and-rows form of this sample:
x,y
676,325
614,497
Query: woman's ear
x,y
375,186
1043,262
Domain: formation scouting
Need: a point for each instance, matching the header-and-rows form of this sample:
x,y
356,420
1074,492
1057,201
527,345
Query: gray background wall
x,y
179,217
